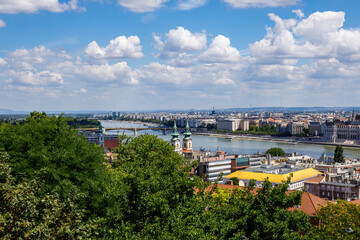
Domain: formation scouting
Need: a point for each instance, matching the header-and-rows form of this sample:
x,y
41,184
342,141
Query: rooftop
x,y
316,179
298,174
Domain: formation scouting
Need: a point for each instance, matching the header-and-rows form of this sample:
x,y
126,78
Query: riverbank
x,y
287,140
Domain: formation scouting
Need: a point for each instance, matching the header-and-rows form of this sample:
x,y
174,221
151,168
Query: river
x,y
238,146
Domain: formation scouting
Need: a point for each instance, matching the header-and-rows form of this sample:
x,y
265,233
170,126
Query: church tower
x,y
175,141
187,141
100,136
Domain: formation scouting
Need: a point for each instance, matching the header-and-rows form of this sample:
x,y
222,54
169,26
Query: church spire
x,y
187,132
100,135
175,134
100,130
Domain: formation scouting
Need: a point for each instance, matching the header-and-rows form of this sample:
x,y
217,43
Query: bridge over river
x,y
135,130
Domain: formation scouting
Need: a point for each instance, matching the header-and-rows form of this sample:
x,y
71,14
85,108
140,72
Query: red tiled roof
x,y
110,144
316,179
310,204
356,201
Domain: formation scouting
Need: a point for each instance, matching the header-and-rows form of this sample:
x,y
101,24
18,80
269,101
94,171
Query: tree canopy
x,y
46,148
339,220
55,185
275,151
339,154
25,215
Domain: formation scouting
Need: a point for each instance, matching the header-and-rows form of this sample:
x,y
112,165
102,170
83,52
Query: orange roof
x,y
110,144
310,204
356,201
219,152
316,179
189,151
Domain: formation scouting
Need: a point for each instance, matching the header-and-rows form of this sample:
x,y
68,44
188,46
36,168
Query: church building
x,y
187,147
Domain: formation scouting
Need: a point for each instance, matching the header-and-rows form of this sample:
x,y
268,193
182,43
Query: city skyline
x,y
167,54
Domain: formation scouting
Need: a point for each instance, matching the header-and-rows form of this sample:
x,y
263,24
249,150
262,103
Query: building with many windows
x,y
342,133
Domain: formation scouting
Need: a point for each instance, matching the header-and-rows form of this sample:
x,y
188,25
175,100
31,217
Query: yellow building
x,y
275,174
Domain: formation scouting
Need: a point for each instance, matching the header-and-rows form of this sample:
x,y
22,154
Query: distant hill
x,y
11,112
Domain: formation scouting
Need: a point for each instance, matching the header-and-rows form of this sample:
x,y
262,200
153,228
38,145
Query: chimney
x,y
268,157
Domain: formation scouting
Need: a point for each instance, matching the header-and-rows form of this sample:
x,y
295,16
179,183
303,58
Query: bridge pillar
x,y
135,132
164,131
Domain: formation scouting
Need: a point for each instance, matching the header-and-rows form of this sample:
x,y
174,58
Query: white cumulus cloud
x,y
299,13
34,6
118,48
321,35
156,73
190,4
2,23
181,40
317,27
220,51
261,3
116,74
180,46
142,5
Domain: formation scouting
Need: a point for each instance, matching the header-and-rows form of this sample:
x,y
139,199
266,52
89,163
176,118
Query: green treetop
x,y
47,148
275,151
339,154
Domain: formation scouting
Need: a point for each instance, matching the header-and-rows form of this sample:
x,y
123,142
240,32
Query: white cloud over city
x,y
35,6
118,48
261,3
297,57
142,5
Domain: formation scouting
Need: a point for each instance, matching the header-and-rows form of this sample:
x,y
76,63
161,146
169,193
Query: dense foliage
x,y
339,154
46,148
25,215
338,221
82,122
275,151
55,185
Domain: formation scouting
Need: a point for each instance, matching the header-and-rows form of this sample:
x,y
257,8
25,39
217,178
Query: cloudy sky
x,y
178,54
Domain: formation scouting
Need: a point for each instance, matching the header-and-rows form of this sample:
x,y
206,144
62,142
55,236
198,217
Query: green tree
x,y
255,213
211,126
339,220
235,181
253,128
339,154
275,151
151,185
25,215
46,148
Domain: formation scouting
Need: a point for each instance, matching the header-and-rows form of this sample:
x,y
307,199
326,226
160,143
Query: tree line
x,y
55,185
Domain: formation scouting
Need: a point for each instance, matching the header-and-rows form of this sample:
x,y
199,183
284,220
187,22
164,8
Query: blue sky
x,y
173,54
